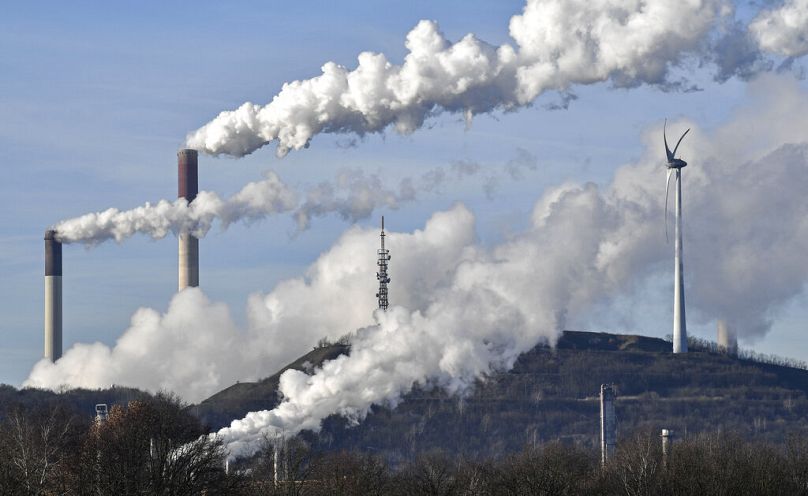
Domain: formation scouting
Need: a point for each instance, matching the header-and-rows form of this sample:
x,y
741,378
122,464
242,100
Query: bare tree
x,y
35,452
154,447
637,465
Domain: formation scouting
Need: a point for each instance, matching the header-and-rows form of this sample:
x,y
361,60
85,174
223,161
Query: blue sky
x,y
95,100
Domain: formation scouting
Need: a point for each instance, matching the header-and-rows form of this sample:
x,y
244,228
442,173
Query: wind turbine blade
x,y
665,138
680,140
667,188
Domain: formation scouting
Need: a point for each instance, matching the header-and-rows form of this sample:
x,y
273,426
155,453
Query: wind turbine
x,y
675,166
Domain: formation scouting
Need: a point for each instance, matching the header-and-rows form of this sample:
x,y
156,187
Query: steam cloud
x,y
255,201
353,194
558,44
745,215
461,310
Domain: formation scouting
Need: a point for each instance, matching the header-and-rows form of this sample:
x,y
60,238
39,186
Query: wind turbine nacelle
x,y
676,163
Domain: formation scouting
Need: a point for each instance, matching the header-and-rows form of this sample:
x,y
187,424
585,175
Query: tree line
x,y
154,446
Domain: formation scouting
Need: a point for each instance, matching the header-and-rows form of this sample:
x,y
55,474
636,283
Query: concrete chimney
x,y
187,173
727,340
53,296
667,442
608,423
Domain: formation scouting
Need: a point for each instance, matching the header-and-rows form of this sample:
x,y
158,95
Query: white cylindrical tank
x,y
727,339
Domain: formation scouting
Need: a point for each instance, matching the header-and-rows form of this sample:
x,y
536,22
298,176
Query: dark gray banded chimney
x,y
188,187
53,296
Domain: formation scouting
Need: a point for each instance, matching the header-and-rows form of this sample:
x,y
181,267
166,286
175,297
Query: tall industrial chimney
x,y
727,339
53,296
608,423
187,173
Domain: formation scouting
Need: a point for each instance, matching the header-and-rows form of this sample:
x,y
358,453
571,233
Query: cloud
x,y
783,30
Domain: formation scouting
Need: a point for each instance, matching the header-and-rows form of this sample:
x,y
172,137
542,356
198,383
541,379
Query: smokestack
x,y
53,296
608,423
667,441
727,340
187,173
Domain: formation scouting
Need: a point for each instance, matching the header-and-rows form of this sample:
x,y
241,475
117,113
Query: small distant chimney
x,y
608,423
667,441
727,339
53,296
188,187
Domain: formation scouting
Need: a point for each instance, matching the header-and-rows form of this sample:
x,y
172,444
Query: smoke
x,y
558,44
461,311
783,30
194,348
745,215
255,201
353,194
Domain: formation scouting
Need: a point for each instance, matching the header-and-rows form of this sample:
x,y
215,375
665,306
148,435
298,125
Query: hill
x,y
551,394
81,402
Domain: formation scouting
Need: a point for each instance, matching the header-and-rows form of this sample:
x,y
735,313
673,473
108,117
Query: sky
x,y
96,100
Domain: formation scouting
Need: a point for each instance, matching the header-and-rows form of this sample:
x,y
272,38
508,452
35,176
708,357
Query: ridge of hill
x,y
552,394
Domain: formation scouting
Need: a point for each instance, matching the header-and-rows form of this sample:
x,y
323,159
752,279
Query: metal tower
x,y
608,423
381,275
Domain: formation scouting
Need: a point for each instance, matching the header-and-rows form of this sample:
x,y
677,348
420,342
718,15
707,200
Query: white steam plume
x,y
355,195
558,44
461,310
154,352
745,212
352,194
255,201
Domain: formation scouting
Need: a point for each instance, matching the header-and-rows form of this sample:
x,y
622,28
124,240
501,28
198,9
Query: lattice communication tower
x,y
381,275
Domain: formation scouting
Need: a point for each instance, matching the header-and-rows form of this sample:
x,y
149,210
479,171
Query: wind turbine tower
x,y
381,275
675,166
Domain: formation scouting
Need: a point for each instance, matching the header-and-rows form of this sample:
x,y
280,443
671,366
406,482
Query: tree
x,y
153,447
33,452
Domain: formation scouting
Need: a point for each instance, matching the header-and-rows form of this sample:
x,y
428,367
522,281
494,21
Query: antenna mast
x,y
381,275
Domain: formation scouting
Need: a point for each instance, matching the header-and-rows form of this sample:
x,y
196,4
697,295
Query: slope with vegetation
x,y
551,395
